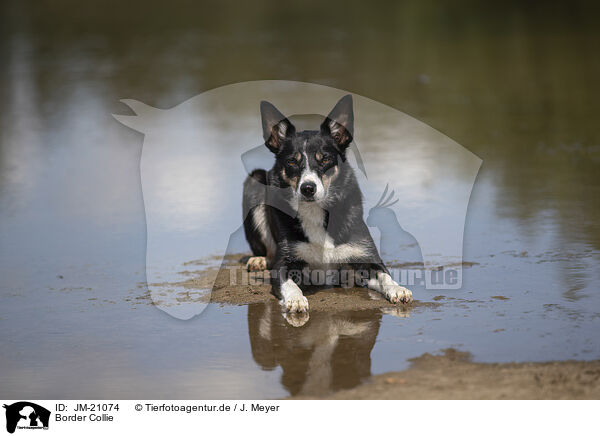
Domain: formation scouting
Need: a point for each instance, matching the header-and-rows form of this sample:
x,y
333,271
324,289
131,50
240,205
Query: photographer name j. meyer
x,y
254,407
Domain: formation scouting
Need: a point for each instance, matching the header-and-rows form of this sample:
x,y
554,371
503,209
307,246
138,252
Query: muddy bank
x,y
232,284
453,375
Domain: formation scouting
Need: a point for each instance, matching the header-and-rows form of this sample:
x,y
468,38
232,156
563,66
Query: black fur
x,y
254,194
277,191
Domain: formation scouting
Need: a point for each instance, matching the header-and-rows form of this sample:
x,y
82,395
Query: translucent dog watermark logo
x,y
415,182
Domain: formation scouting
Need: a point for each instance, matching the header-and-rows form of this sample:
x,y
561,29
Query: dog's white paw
x,y
292,299
296,319
295,304
257,263
398,294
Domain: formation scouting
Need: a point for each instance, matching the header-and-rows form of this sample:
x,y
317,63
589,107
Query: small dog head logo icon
x,y
24,414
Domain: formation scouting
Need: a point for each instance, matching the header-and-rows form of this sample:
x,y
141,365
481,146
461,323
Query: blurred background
x,y
514,82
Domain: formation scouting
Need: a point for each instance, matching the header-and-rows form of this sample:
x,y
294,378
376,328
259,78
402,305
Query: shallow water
x,y
516,86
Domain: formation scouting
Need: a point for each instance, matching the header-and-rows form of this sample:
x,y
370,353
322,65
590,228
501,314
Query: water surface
x,y
516,85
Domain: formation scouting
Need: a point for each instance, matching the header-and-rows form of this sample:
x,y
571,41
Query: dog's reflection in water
x,y
328,353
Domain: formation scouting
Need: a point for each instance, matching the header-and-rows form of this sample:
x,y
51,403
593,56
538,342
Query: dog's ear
x,y
340,123
276,127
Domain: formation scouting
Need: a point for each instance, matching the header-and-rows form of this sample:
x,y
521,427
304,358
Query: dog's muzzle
x,y
308,190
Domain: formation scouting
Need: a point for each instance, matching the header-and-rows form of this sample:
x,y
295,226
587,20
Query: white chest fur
x,y
312,218
320,248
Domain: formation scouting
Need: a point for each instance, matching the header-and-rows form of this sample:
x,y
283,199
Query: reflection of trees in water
x,y
514,83
330,352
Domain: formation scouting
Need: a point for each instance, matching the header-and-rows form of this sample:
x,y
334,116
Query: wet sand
x,y
453,375
233,285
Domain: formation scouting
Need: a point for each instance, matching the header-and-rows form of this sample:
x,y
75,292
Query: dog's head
x,y
309,161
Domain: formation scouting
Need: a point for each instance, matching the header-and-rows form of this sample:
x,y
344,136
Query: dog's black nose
x,y
308,189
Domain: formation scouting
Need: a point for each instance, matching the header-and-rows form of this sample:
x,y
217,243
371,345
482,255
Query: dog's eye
x,y
291,162
326,161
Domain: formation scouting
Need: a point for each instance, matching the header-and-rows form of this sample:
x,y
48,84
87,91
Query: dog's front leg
x,y
286,287
383,283
293,300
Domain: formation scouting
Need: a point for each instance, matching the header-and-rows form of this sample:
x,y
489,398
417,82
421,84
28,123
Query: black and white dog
x,y
306,214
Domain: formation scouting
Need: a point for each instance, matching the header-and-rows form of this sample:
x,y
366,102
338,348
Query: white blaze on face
x,y
309,175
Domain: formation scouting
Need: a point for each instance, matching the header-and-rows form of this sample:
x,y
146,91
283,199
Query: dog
x,y
305,214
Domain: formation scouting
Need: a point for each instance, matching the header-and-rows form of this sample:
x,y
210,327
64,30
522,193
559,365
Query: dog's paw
x,y
402,311
257,263
296,319
295,304
399,294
